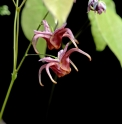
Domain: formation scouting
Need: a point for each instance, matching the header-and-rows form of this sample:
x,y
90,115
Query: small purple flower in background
x,y
91,5
61,64
96,6
100,7
53,39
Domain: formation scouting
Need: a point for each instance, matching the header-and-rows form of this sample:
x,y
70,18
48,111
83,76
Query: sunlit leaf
x,y
109,27
60,9
32,14
96,32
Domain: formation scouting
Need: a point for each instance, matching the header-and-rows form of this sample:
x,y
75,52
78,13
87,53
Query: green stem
x,y
80,31
43,54
14,74
14,3
15,45
15,36
22,3
8,93
15,50
23,57
30,45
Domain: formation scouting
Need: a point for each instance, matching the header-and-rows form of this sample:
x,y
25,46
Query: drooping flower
x,y
53,39
96,6
60,65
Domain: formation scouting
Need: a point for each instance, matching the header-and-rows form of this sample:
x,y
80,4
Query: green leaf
x,y
32,15
109,27
60,9
96,32
110,4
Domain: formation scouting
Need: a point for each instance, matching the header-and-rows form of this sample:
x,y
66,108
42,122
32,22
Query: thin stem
x,y
80,31
15,45
7,95
24,57
41,21
22,3
56,26
42,54
15,50
14,3
15,22
17,36
30,45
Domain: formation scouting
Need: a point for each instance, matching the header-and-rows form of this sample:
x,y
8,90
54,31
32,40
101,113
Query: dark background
x,y
91,95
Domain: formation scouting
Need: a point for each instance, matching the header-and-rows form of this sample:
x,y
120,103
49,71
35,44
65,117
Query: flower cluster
x,y
61,64
96,6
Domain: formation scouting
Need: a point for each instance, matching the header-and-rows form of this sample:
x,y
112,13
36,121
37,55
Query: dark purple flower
x,y
91,4
96,6
100,7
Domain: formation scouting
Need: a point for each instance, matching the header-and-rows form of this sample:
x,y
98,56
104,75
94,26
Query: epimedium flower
x,y
96,6
53,39
61,64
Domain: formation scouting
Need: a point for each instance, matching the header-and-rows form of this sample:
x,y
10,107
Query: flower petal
x,y
46,26
39,74
48,72
60,29
74,65
35,39
42,32
62,52
59,71
72,39
68,31
59,53
76,50
45,36
48,59
71,36
56,38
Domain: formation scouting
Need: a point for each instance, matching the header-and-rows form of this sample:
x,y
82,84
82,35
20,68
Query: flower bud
x,y
91,4
96,6
101,7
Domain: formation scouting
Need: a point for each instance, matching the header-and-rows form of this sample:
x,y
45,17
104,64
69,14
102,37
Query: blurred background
x,y
91,95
